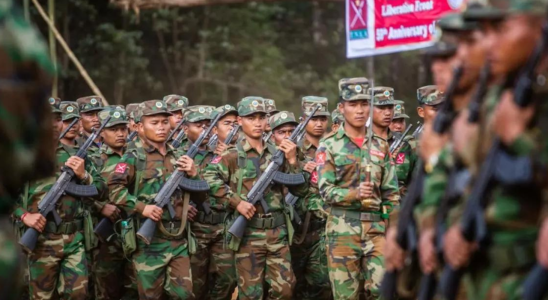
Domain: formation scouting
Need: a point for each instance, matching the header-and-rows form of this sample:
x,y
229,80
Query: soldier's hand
x,y
463,132
186,164
427,252
36,221
111,211
310,166
430,142
542,245
221,147
192,212
510,120
394,256
77,164
365,190
246,209
153,212
290,150
456,250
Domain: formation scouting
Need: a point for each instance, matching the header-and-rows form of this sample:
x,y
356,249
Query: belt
x,y
516,256
171,227
65,227
267,221
213,218
356,215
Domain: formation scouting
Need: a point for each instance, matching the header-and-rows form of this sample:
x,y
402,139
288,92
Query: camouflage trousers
x,y
11,273
264,256
354,257
309,261
58,267
113,273
163,265
213,272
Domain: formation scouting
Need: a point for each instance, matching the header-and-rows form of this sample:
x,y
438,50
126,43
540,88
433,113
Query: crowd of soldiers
x,y
369,208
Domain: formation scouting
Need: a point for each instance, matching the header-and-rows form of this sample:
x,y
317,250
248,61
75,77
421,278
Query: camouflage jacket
x,y
405,158
341,168
312,201
68,207
224,175
94,148
106,161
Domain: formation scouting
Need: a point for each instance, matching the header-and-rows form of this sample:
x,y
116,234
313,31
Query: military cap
x,y
382,95
352,89
308,103
446,46
55,105
336,116
130,109
154,107
69,110
120,106
250,105
270,107
399,110
90,103
455,22
499,9
138,113
176,102
282,118
199,113
224,110
117,116
430,95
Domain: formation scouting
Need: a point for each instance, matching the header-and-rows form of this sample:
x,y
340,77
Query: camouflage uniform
x,y
263,252
309,258
355,231
270,107
213,273
176,103
58,264
164,264
69,110
89,104
337,119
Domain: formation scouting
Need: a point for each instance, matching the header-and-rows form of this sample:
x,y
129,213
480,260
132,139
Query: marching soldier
x,y
130,110
89,108
398,123
223,128
176,105
336,120
270,111
69,113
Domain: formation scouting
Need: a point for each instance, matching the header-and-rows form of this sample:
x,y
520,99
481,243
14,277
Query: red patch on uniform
x,y
320,159
216,160
377,153
314,177
120,168
400,158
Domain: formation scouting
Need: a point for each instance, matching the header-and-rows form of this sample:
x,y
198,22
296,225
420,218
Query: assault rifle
x,y
213,141
177,179
269,176
291,199
473,226
397,143
179,138
266,136
177,128
418,130
64,185
68,128
131,136
230,136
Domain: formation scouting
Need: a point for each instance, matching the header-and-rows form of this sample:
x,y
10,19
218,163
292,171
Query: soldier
x,y
262,255
89,107
309,258
336,120
223,128
57,265
283,124
112,271
163,264
358,217
177,105
130,109
270,111
69,113
398,123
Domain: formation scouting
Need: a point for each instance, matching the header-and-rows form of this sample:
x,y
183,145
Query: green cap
x,y
336,116
399,110
499,9
130,110
69,110
282,118
456,22
120,106
117,116
153,107
270,106
138,113
176,102
224,110
352,89
199,113
90,103
382,95
308,104
250,105
55,105
430,95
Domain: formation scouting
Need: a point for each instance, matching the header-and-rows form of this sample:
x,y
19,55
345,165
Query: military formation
x,y
163,199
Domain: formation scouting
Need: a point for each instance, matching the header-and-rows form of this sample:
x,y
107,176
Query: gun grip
x,y
449,282
56,217
171,210
238,227
388,285
265,206
535,286
104,230
28,240
146,232
427,289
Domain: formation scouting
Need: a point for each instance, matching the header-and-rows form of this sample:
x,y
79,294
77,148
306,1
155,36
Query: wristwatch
x,y
86,176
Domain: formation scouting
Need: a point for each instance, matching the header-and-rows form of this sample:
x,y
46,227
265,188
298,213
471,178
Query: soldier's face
x,y
382,115
115,136
57,124
317,126
194,129
253,125
281,133
472,54
131,126
428,112
442,70
224,126
155,128
355,112
73,131
89,120
175,118
512,42
398,125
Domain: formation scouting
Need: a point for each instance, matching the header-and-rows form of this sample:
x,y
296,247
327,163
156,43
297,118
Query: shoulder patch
x,y
400,158
320,158
120,168
314,177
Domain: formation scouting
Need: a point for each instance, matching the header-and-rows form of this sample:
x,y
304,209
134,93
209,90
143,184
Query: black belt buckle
x,y
264,216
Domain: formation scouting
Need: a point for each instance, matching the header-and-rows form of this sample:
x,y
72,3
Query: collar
x,y
150,149
246,146
108,150
307,144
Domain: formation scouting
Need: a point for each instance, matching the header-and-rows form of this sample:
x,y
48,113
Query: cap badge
x,y
51,101
358,88
180,102
159,104
70,109
93,101
270,102
116,114
201,110
255,103
227,107
386,93
283,116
